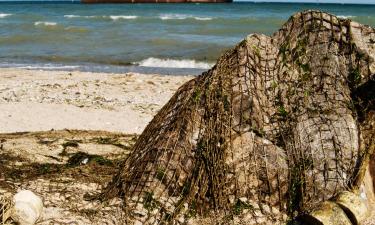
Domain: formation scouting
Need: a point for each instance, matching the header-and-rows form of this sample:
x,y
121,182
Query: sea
x,y
145,38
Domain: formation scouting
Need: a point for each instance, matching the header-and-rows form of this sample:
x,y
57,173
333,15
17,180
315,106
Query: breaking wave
x,y
3,15
172,63
42,23
182,17
203,18
123,17
132,17
73,16
345,16
112,17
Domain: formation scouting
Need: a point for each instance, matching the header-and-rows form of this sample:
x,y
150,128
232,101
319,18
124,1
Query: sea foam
x,y
182,17
203,18
42,23
172,63
46,67
345,17
71,16
112,17
123,17
86,17
3,15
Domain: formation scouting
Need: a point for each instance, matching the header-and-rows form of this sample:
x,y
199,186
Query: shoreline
x,y
148,66
37,100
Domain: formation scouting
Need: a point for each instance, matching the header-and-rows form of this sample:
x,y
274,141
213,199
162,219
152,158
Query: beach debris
x,y
85,160
354,205
82,158
28,207
6,206
328,213
284,121
346,208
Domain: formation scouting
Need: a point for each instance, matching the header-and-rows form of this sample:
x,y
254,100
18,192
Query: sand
x,y
61,114
41,162
33,100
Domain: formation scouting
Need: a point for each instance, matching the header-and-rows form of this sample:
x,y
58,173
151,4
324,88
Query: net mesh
x,y
274,128
5,209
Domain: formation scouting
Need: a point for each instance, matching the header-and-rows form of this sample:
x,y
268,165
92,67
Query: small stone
x,y
243,199
266,209
181,220
28,207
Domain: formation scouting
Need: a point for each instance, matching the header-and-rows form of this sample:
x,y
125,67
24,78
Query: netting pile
x,y
5,208
270,131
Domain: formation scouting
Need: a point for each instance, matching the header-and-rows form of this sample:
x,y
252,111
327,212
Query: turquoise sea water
x,y
166,38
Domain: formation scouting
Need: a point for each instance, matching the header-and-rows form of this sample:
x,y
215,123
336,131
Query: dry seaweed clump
x,y
277,126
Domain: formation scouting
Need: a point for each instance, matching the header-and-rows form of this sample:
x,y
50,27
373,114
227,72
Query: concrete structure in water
x,y
156,1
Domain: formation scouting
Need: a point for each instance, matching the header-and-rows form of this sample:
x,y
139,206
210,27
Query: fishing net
x,y
277,126
6,205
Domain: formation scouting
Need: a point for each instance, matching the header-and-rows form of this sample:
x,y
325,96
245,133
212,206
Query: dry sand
x,y
32,100
51,165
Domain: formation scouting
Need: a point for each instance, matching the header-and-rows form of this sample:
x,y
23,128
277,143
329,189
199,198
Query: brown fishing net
x,y
6,205
278,125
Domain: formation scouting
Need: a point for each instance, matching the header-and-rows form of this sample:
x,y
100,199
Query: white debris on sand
x,y
28,208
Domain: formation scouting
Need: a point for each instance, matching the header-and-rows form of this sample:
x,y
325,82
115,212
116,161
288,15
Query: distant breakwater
x,y
155,1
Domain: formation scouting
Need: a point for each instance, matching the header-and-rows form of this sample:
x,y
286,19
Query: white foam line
x,y
182,17
172,63
203,18
123,17
345,17
112,17
47,67
71,16
3,15
38,23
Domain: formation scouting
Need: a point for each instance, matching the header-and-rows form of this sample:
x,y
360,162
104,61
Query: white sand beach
x,y
34,100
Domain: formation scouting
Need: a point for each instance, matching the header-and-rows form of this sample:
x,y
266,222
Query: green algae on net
x,y
276,128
